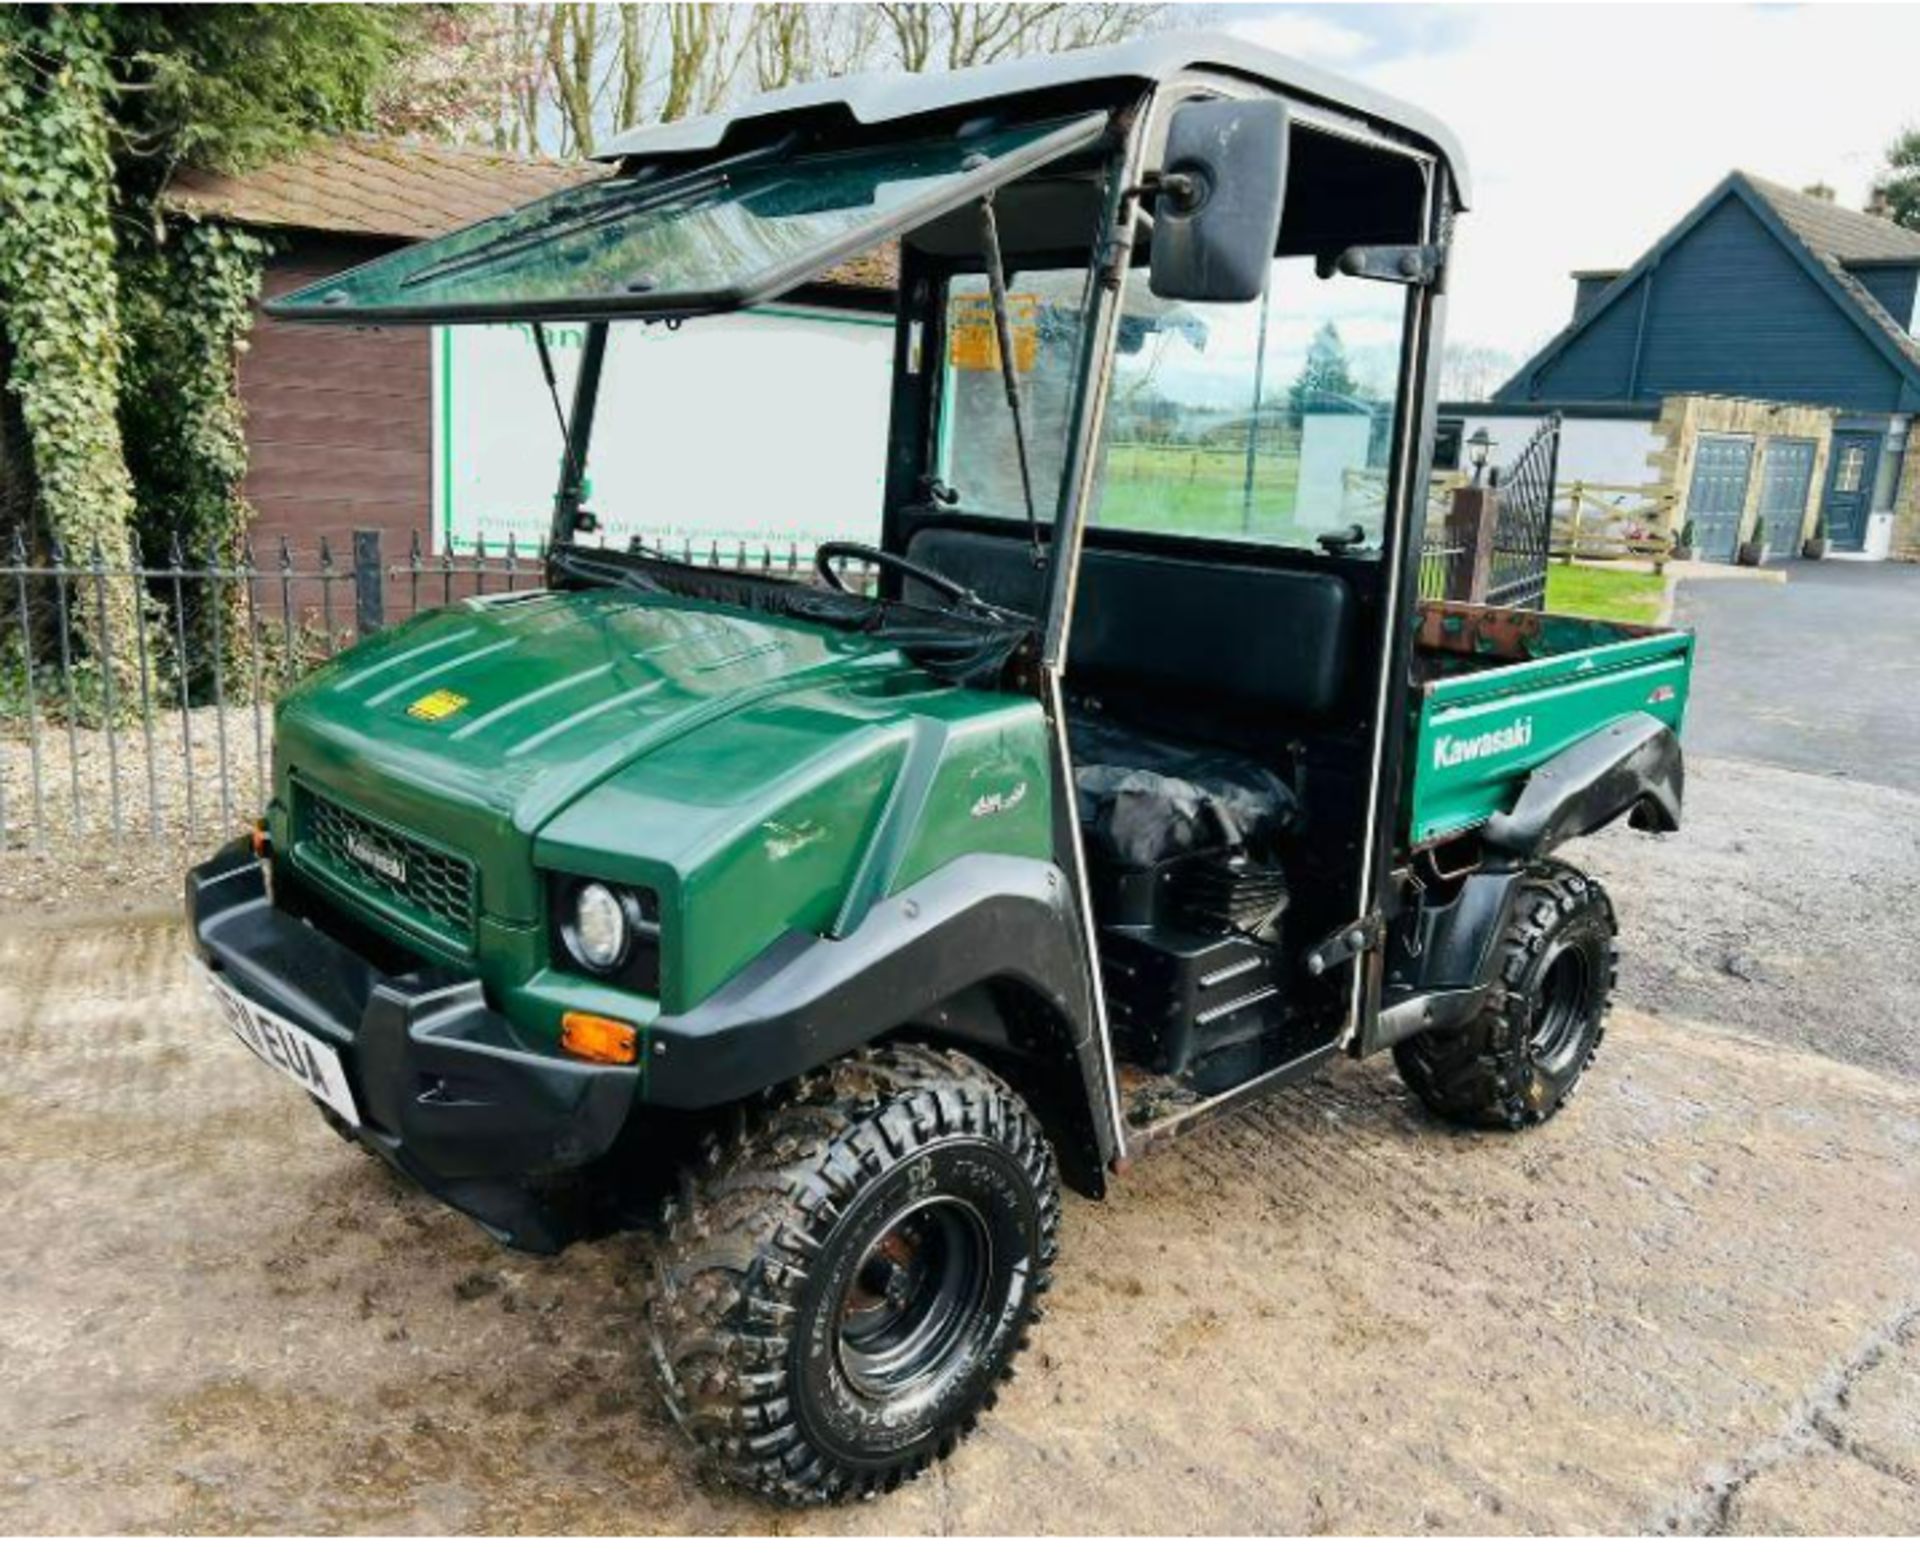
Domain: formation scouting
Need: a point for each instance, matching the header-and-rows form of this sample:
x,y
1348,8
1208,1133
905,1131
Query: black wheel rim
x,y
919,1290
1560,1020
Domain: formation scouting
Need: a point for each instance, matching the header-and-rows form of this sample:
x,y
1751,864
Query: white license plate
x,y
309,1062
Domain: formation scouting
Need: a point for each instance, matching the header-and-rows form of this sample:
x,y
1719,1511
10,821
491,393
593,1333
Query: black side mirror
x,y
1216,221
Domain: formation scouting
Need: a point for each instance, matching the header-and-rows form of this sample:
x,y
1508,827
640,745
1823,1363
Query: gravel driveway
x,y
1785,905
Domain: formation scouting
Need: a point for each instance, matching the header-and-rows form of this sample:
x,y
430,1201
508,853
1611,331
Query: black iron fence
x,y
1523,529
136,699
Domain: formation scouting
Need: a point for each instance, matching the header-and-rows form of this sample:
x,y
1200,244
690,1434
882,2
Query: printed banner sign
x,y
767,427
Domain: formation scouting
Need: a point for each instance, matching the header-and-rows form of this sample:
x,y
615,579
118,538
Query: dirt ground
x,y
1693,1302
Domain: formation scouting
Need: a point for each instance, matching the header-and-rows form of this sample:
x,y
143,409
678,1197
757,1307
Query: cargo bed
x,y
1502,691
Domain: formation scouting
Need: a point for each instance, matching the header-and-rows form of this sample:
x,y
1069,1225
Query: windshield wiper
x,y
613,204
1009,369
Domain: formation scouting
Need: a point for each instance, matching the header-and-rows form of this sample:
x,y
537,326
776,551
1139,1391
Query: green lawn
x,y
1601,593
1201,490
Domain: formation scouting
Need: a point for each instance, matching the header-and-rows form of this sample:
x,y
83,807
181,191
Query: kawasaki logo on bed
x,y
1451,751
367,855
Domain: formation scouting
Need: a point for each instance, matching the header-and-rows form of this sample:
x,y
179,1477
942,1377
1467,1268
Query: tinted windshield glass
x,y
1266,421
715,237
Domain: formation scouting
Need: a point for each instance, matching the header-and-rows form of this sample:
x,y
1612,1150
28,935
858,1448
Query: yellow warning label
x,y
437,704
973,346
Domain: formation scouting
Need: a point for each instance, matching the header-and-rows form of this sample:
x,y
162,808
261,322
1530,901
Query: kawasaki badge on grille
x,y
374,859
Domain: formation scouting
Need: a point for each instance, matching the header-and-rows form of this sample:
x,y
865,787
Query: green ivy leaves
x,y
59,290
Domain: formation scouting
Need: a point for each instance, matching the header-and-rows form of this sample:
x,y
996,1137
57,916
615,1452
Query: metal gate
x,y
1786,471
1718,495
1523,526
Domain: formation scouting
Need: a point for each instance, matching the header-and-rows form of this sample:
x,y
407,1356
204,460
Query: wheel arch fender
x,y
1438,974
1633,767
984,953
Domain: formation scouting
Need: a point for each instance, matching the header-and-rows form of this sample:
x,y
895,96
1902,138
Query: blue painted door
x,y
1786,470
1850,470
1718,494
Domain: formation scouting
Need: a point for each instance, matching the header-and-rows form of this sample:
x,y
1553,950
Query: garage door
x,y
1718,495
1786,470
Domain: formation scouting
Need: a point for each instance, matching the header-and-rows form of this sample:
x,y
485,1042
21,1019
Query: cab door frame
x,y
1416,390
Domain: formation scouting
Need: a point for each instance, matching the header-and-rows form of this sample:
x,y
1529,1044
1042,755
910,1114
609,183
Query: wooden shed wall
x,y
1732,312
337,420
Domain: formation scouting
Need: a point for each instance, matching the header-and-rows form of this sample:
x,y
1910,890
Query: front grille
x,y
389,864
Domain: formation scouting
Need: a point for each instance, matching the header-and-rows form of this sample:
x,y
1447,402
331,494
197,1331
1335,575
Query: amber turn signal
x,y
262,843
597,1039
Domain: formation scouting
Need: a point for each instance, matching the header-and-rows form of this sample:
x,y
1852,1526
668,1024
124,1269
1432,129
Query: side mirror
x,y
1216,221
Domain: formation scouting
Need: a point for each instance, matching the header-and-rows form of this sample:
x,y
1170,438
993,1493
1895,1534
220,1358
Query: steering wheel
x,y
848,550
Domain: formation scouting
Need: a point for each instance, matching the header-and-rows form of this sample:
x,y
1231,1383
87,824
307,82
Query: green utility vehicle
x,y
825,927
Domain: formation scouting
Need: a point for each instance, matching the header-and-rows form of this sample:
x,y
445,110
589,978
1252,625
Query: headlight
x,y
610,930
602,928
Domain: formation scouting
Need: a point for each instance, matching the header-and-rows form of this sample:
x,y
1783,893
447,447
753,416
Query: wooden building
x,y
1775,331
340,421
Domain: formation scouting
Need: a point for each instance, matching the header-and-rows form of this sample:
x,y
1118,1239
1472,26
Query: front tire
x,y
846,1280
1522,1056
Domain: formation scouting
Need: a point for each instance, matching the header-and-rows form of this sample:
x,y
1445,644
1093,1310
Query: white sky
x,y
1591,129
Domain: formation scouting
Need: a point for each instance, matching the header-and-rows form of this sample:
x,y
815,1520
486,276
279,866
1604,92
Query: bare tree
x,y
707,46
633,52
813,42
956,36
1474,372
560,76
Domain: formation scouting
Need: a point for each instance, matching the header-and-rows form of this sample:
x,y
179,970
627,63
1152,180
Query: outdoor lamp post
x,y
1480,447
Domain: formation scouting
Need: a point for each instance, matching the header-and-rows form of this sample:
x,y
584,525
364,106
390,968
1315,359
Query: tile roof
x,y
362,186
365,186
1834,232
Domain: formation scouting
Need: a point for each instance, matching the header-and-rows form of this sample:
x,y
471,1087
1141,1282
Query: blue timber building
x,y
1782,300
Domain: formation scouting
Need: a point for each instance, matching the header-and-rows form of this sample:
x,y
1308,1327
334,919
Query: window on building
x,y
1850,474
1886,479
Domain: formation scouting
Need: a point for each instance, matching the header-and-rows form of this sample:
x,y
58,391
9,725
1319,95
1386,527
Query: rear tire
x,y
1522,1056
845,1280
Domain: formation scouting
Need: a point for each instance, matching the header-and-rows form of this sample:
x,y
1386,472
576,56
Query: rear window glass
x,y
719,234
1266,421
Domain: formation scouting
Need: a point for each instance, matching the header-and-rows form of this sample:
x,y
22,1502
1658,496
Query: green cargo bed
x,y
1502,691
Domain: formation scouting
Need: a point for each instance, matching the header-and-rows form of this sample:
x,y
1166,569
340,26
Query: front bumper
x,y
446,1091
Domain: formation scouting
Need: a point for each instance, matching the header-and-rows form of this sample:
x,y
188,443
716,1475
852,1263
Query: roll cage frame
x,y
1136,129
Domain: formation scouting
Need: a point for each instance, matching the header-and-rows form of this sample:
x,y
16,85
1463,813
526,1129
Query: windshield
x,y
735,232
1266,421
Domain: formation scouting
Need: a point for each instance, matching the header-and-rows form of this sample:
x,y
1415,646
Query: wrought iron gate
x,y
1523,529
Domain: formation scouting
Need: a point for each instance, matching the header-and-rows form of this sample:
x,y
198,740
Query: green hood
x,y
484,720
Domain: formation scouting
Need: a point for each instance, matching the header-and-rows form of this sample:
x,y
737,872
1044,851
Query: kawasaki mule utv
x,y
1140,785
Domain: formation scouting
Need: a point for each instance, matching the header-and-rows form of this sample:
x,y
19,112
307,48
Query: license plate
x,y
308,1061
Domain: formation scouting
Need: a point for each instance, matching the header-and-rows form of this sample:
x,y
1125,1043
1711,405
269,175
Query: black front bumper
x,y
446,1091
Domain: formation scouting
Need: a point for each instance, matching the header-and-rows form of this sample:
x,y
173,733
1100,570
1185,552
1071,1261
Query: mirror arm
x,y
1182,190
1409,264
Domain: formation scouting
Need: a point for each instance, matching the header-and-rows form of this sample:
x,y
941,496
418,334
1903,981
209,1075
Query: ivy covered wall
x,y
120,422
59,282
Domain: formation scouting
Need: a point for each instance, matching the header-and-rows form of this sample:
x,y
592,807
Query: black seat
x,y
1191,677
1144,801
1260,646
